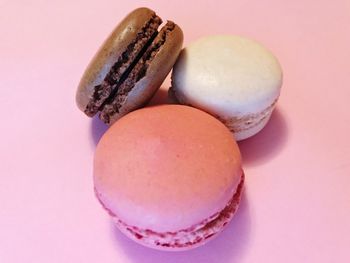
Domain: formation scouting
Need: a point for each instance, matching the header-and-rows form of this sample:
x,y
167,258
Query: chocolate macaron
x,y
130,66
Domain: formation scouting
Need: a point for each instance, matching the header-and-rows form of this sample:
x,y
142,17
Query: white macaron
x,y
233,78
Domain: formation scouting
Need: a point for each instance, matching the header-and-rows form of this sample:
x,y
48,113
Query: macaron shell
x,y
157,71
250,124
117,42
173,249
227,76
245,129
185,240
158,169
147,243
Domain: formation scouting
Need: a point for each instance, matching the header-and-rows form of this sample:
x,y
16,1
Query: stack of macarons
x,y
171,176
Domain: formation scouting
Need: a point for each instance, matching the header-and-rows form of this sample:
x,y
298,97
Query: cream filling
x,y
249,121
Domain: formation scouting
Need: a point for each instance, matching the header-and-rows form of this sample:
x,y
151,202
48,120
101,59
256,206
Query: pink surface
x,y
296,206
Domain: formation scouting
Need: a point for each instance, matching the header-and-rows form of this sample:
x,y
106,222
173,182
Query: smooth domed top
x,y
166,168
227,74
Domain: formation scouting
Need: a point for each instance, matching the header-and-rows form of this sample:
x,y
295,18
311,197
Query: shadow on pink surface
x,y
98,128
228,246
161,97
267,143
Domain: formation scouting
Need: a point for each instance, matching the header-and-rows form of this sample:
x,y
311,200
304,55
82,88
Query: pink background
x,y
296,206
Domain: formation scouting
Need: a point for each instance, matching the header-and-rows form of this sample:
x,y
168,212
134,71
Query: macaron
x,y
170,176
233,78
130,66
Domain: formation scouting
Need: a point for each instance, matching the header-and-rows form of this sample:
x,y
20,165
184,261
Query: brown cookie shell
x,y
164,51
109,53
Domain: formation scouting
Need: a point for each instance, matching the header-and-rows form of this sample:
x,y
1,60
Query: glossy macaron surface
x,y
166,168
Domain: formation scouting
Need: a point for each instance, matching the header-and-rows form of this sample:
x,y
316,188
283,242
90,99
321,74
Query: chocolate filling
x,y
117,98
124,64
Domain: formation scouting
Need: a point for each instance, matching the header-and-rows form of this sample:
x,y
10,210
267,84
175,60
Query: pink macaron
x,y
170,176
